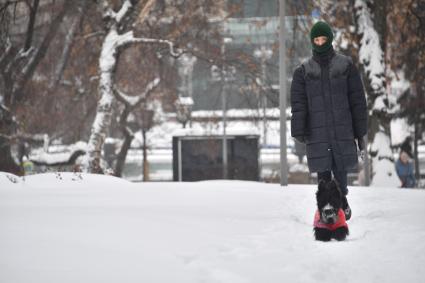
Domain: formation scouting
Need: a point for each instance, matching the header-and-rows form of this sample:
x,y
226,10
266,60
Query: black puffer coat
x,y
328,110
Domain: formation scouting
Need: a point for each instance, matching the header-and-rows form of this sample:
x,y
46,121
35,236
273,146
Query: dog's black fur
x,y
329,193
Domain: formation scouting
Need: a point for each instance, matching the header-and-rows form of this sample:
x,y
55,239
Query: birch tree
x,y
158,24
406,20
115,41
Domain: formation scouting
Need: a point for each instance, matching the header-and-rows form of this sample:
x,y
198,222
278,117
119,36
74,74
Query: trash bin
x,y
198,157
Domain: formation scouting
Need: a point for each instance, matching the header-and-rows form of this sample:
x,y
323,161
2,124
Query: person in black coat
x,y
329,112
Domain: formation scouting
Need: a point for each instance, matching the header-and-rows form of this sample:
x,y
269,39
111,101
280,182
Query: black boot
x,y
346,208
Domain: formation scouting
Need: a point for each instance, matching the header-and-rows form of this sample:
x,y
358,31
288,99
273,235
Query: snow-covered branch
x,y
37,55
123,11
116,16
19,57
22,136
134,101
129,131
113,41
370,54
128,38
6,52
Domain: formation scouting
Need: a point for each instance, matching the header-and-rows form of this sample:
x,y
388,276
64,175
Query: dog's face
x,y
329,201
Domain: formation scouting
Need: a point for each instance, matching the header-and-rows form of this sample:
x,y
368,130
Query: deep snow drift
x,y
63,228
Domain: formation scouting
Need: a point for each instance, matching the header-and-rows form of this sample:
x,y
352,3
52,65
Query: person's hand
x,y
360,144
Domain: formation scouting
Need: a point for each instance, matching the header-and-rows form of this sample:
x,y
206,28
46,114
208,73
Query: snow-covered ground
x,y
67,228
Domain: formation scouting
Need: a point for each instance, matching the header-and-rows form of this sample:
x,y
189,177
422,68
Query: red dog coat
x,y
340,223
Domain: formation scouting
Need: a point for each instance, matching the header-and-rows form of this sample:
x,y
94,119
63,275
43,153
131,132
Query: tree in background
x,y
23,48
132,103
407,30
172,21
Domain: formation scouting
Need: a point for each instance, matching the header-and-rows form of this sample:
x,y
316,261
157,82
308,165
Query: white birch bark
x,y
102,121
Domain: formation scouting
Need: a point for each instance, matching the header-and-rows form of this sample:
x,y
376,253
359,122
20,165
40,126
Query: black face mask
x,y
322,48
321,29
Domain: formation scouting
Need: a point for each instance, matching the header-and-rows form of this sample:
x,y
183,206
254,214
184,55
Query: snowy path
x,y
103,229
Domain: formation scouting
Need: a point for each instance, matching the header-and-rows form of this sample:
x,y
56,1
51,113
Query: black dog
x,y
329,219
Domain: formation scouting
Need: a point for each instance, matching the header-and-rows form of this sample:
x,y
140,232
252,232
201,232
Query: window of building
x,y
253,8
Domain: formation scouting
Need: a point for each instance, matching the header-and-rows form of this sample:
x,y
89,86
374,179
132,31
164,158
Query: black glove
x,y
300,139
360,144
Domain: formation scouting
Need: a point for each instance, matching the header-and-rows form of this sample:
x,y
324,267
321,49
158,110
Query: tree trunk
x,y
7,128
102,121
128,138
416,155
145,158
7,163
31,24
119,167
107,65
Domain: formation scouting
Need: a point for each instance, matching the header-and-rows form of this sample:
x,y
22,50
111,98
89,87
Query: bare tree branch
x,y
128,38
130,103
117,17
6,53
31,22
69,39
145,11
125,8
29,69
24,137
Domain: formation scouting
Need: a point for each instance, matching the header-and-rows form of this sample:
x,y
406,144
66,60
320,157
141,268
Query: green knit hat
x,y
321,29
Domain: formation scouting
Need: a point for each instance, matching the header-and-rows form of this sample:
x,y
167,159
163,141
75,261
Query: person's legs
x,y
341,178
